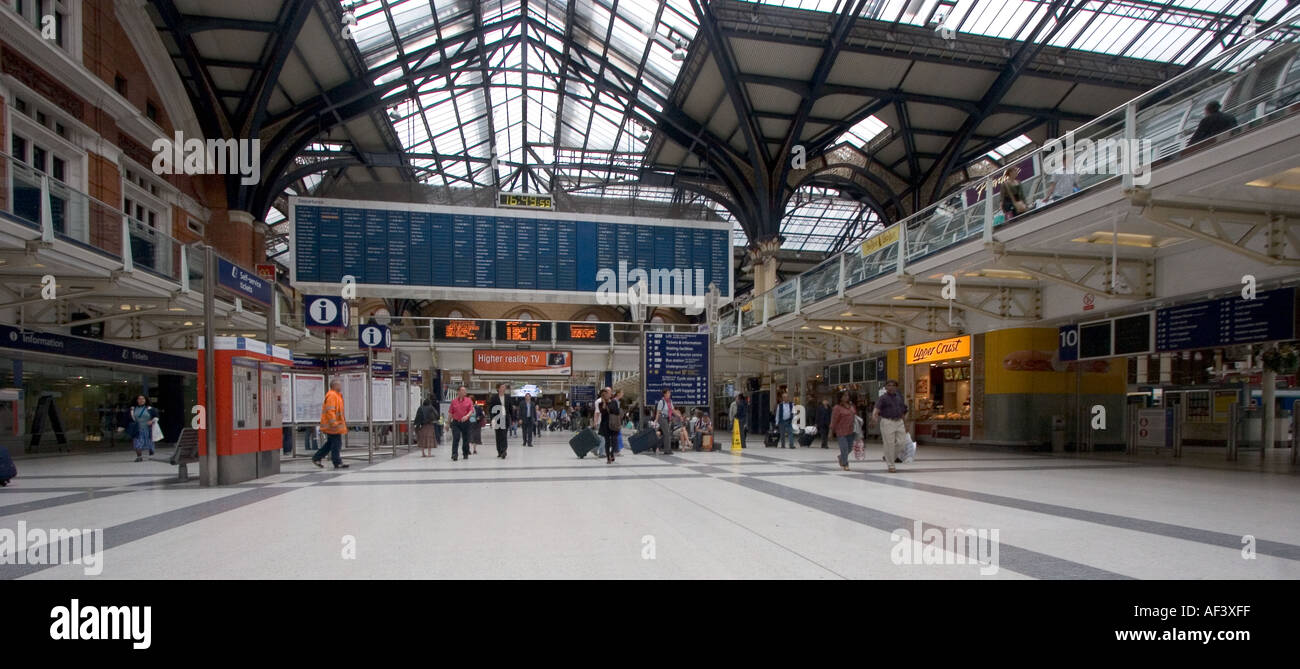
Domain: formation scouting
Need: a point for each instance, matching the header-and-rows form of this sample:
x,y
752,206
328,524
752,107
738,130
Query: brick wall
x,y
107,54
104,182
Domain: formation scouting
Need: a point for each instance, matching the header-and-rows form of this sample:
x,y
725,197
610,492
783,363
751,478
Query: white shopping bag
x,y
909,451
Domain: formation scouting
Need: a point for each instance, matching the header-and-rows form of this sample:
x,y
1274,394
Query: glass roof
x,y
1173,31
539,95
548,95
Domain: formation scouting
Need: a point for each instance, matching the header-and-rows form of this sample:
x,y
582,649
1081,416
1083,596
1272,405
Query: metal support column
x,y
208,470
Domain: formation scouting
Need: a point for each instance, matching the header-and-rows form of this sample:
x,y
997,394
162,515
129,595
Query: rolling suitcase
x,y
7,468
583,442
644,440
773,437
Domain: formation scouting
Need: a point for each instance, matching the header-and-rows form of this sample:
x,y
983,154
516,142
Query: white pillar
x,y
1166,368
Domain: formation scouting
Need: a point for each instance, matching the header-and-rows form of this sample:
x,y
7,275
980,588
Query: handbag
x,y
859,450
157,434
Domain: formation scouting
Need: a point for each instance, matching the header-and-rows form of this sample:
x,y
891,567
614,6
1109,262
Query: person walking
x,y
424,422
742,415
140,429
889,412
528,417
619,415
476,428
461,412
843,422
1214,122
824,420
334,425
1013,195
607,410
664,417
785,420
500,417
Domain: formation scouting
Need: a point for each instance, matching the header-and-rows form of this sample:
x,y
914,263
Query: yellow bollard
x,y
735,435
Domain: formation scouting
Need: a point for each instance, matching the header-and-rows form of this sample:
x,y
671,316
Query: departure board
x,y
391,248
524,331
462,330
594,333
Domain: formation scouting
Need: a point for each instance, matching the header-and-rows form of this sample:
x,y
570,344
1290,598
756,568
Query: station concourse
x,y
650,289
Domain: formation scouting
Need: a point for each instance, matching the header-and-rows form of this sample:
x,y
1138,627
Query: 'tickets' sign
x,y
533,363
944,349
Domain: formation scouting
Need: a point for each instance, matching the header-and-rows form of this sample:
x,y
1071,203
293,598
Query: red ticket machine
x,y
247,414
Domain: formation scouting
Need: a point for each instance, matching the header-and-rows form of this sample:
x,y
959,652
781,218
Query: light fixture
x,y
679,54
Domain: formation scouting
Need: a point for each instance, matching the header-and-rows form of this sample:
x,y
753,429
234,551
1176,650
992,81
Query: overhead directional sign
x,y
377,337
242,282
678,361
325,312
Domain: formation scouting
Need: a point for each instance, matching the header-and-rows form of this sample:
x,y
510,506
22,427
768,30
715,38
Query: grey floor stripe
x,y
457,467
1013,558
135,530
51,502
1210,537
532,479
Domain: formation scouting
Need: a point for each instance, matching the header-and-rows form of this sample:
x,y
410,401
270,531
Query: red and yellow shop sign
x,y
944,349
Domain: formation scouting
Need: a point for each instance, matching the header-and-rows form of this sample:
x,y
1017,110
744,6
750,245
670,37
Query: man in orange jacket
x,y
333,425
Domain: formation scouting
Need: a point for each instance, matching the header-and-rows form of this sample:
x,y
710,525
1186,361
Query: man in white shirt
x,y
664,417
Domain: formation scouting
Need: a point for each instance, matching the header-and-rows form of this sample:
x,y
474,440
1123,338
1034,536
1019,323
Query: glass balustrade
x,y
1254,82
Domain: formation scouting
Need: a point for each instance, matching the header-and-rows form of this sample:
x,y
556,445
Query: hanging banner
x,y
531,363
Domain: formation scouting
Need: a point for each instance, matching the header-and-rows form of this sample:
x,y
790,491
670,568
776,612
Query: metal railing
x,y
1256,84
55,210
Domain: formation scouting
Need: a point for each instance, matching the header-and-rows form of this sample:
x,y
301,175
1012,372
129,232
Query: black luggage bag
x,y
773,437
584,442
644,440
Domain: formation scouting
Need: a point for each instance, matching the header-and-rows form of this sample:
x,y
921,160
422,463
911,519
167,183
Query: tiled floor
x,y
766,513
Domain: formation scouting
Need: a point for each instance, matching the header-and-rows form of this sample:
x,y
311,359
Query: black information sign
x,y
1094,340
1133,334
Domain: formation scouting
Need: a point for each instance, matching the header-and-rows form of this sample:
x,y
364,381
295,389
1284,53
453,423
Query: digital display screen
x,y
523,331
583,332
525,200
1094,340
1133,334
462,330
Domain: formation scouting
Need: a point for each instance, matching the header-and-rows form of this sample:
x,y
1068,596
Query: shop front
x,y
938,376
62,392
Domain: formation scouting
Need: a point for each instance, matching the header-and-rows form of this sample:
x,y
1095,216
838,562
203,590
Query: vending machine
x,y
247,416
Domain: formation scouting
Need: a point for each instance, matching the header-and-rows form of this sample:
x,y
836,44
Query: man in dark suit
x,y
528,417
500,418
1213,123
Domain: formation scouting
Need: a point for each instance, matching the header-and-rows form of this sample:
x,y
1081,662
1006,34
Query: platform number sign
x,y
325,312
377,337
1068,343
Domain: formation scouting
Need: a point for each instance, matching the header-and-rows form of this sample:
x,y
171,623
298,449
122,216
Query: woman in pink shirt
x,y
842,427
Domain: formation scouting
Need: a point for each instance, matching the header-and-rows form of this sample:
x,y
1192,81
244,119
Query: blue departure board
x,y
1271,316
433,246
